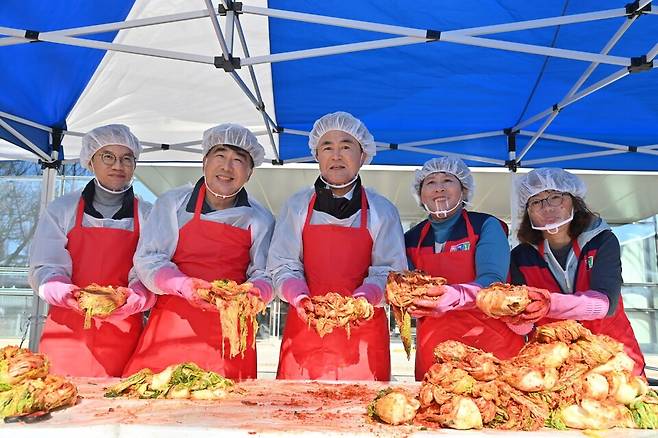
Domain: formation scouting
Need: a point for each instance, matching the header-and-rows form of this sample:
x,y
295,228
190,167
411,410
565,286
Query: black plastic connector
x,y
511,139
632,149
261,106
32,35
511,147
640,64
230,6
278,129
228,65
433,35
164,146
277,162
512,165
393,146
57,164
556,108
633,9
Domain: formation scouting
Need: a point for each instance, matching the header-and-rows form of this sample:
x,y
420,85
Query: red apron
x,y
104,256
176,331
336,259
470,327
616,326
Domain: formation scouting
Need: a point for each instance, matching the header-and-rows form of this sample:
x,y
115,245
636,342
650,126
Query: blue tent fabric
x,y
440,89
42,81
403,94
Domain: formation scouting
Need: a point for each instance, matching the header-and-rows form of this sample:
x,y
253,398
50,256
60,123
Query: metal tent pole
x,y
252,74
48,181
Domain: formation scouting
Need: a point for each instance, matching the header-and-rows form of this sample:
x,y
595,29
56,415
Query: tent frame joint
x,y
632,149
57,165
32,35
512,165
511,162
634,9
277,162
165,146
393,146
640,64
228,65
433,35
231,6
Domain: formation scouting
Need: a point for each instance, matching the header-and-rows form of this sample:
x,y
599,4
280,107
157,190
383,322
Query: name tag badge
x,y
590,262
461,247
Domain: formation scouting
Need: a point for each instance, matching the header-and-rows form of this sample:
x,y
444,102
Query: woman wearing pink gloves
x,y
336,237
88,237
571,252
195,235
467,248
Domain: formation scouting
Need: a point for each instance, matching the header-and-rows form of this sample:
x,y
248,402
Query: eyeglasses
x,y
553,200
108,158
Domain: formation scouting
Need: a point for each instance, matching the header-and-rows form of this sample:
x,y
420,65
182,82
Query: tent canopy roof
x,y
500,83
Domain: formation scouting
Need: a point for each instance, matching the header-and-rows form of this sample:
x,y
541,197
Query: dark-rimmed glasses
x,y
552,200
108,158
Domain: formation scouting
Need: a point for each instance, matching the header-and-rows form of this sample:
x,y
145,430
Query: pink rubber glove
x,y
173,282
451,297
139,300
370,292
262,289
303,305
58,291
292,288
295,291
584,306
537,309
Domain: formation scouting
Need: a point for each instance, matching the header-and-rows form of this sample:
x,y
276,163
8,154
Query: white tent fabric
x,y
166,101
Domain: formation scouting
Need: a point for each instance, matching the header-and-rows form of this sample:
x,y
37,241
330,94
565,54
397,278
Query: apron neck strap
x,y
423,233
135,215
364,209
199,201
80,212
469,227
309,212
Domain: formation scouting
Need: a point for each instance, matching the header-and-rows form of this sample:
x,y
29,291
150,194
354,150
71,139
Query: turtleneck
x,y
107,204
340,207
442,227
100,204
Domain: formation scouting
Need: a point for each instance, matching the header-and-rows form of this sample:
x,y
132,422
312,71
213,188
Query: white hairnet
x,y
451,165
104,136
234,135
547,178
346,122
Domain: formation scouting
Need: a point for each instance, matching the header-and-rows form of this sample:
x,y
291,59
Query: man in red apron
x,y
469,250
336,237
571,252
195,235
86,237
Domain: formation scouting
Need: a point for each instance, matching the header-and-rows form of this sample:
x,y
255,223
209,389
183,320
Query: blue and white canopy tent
x,y
504,84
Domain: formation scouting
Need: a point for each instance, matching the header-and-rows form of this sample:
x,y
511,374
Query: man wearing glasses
x,y
87,237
